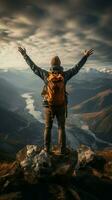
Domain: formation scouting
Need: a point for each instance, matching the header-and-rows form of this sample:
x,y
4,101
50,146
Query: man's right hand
x,y
22,51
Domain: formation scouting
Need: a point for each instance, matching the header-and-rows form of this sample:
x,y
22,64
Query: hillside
x,y
100,123
9,96
82,90
15,132
10,121
10,124
98,102
24,80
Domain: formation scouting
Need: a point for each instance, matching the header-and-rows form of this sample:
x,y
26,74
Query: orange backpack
x,y
54,92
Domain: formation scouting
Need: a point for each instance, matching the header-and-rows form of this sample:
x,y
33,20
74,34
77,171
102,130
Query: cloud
x,y
59,27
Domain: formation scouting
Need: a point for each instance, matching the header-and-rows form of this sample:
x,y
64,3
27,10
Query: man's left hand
x,y
88,52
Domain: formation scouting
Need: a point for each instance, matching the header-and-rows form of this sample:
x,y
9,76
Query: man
x,y
57,77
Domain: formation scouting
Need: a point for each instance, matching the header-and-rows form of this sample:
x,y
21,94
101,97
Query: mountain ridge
x,y
96,103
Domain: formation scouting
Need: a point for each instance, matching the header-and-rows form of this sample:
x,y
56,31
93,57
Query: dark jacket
x,y
43,74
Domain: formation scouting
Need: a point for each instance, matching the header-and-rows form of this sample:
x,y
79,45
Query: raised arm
x,y
37,70
71,72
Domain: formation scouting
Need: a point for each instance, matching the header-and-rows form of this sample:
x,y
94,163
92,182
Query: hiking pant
x,y
50,113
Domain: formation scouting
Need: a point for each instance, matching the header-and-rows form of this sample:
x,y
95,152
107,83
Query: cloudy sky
x,y
61,27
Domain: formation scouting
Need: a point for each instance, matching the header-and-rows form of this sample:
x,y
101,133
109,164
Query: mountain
x,y
100,123
96,103
15,132
79,91
10,123
97,113
94,73
9,96
24,80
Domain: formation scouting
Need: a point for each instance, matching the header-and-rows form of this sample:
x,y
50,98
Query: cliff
x,y
82,175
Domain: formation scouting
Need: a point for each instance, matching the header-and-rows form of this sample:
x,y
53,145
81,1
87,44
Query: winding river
x,y
30,107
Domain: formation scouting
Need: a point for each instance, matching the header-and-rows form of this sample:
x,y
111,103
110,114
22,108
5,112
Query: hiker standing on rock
x,y
54,94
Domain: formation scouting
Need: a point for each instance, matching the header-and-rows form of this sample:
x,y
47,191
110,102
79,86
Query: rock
x,y
42,164
57,191
28,151
98,163
37,163
11,196
64,165
63,170
85,155
108,169
74,194
9,173
38,175
34,163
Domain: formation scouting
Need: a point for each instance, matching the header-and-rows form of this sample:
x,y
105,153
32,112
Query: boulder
x,y
34,162
85,155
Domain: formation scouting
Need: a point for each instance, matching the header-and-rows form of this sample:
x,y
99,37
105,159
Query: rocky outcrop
x,y
81,174
38,164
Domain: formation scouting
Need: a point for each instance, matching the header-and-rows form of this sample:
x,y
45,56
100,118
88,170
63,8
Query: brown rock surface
x,y
37,175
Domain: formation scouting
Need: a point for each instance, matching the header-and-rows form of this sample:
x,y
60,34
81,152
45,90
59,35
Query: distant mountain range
x,y
24,80
94,73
